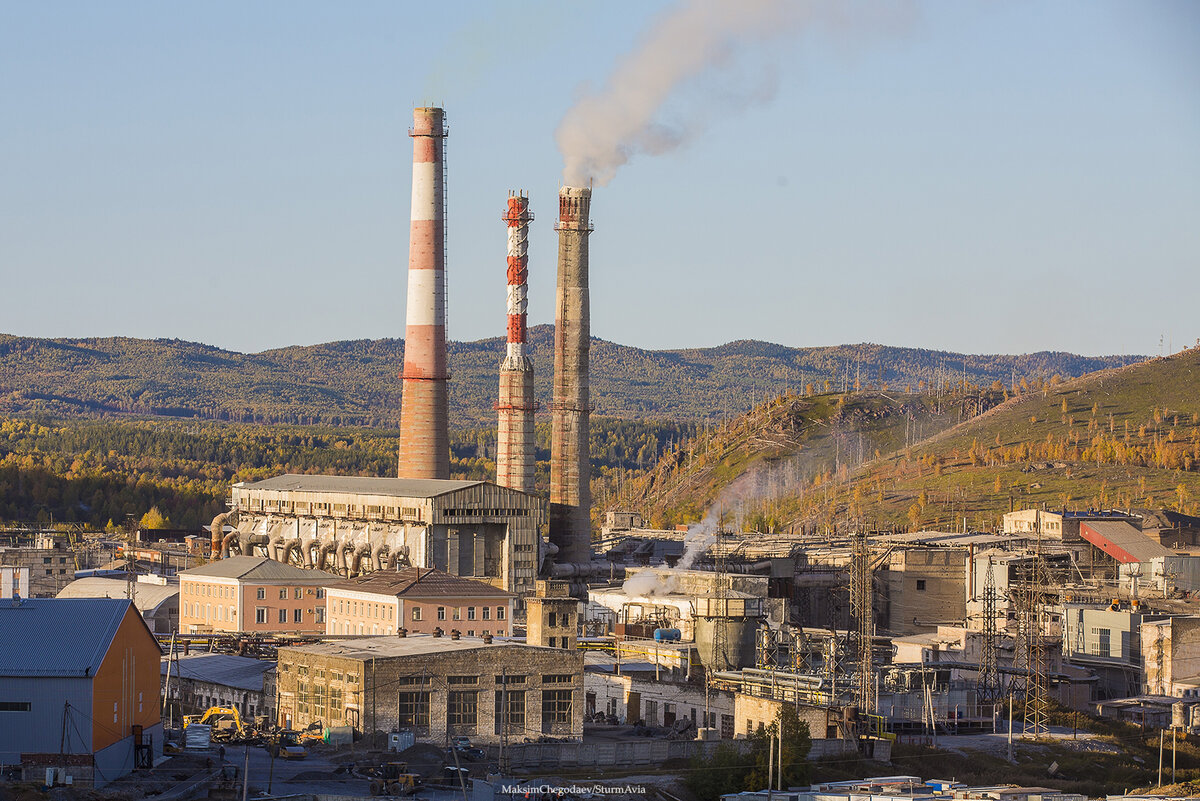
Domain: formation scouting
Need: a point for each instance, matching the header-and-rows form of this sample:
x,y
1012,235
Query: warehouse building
x,y
434,685
79,689
194,682
352,525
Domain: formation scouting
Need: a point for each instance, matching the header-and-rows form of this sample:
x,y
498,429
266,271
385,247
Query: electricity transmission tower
x,y
989,690
1033,661
861,608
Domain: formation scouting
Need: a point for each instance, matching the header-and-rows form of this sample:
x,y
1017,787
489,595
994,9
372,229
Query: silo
x,y
727,631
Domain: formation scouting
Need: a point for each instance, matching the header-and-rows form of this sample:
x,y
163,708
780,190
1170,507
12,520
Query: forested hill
x,y
354,382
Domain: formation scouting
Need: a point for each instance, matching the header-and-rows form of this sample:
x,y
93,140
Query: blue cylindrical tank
x,y
667,635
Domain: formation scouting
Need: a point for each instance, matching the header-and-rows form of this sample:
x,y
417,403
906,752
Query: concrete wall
x,y
1170,653
924,588
552,622
656,703
752,711
50,569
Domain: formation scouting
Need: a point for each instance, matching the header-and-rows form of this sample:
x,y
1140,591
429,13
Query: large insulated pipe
x,y
424,436
570,470
218,532
515,437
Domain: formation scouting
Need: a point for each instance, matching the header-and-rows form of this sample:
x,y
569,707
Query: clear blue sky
x,y
975,176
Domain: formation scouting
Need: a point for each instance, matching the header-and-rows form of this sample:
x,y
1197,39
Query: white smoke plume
x,y
652,581
697,44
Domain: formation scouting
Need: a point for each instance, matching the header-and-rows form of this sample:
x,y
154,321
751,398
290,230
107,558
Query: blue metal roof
x,y
57,636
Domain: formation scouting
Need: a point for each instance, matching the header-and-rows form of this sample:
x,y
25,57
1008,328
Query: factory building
x,y
195,682
79,689
49,560
436,686
351,525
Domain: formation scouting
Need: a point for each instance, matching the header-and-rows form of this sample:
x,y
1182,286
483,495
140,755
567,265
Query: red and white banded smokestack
x,y
424,434
515,434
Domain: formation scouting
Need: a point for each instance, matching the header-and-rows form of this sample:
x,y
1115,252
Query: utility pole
x,y
771,767
503,716
1160,756
1010,708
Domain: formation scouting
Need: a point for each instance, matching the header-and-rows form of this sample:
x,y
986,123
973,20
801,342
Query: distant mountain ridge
x,y
355,382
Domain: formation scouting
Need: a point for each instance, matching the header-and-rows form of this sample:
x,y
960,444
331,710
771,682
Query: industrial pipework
x,y
424,413
515,437
570,468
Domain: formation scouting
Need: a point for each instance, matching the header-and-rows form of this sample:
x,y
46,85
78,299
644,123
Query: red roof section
x,y
1122,541
422,582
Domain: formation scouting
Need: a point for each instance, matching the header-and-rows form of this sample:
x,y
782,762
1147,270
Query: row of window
x,y
485,612
223,614
220,591
462,709
335,509
374,629
362,609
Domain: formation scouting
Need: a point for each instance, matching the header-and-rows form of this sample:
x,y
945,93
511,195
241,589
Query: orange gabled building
x,y
79,687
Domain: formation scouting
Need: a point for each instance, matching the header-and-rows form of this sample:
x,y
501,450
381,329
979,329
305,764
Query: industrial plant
x,y
491,531
484,620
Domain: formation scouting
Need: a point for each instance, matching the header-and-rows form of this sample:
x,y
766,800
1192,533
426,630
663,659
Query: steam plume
x,y
697,40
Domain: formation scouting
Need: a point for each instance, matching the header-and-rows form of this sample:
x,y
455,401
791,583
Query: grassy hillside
x,y
1124,437
754,465
355,383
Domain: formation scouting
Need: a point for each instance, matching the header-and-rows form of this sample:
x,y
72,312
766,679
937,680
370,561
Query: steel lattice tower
x,y
862,609
1033,649
989,690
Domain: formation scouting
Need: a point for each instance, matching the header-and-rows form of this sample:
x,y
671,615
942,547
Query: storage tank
x,y
726,631
667,635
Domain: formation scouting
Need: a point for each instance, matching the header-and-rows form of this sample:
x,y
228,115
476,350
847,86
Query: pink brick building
x,y
252,594
419,600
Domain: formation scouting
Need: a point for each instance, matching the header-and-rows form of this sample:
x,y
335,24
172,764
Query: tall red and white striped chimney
x,y
515,432
424,415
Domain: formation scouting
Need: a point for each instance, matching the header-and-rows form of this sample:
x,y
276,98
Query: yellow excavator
x,y
225,721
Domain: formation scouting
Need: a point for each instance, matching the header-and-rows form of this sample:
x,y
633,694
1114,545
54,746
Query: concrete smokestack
x,y
570,468
424,436
515,437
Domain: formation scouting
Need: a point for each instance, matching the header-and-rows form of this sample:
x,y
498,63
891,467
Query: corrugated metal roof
x,y
224,669
260,568
1122,541
363,485
422,582
58,636
146,597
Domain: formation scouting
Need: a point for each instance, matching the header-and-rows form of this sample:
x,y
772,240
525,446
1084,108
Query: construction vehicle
x,y
285,744
225,721
393,778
